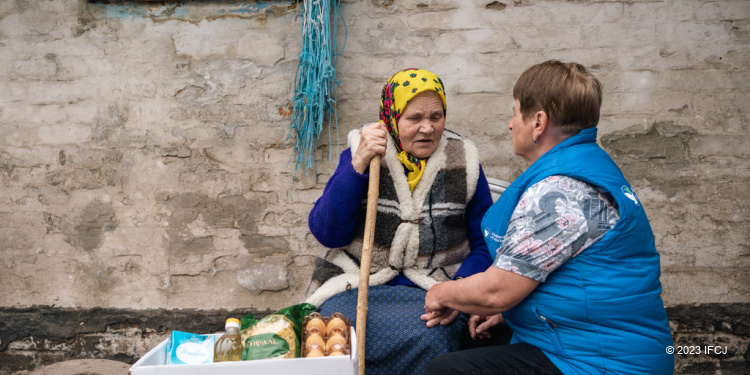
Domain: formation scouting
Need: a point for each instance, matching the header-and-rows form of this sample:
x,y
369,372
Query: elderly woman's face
x,y
421,125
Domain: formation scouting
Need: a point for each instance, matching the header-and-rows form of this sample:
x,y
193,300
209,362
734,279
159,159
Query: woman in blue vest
x,y
575,272
433,195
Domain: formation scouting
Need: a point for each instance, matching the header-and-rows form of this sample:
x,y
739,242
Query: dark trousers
x,y
493,356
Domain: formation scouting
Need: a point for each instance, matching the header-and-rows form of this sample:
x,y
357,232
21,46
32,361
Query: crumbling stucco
x,y
153,137
145,148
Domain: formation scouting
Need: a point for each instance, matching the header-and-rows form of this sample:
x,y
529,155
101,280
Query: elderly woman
x,y
576,271
433,195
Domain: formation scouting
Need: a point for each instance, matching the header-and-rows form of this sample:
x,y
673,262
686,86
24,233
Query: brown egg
x,y
314,341
336,343
315,353
336,353
315,325
335,325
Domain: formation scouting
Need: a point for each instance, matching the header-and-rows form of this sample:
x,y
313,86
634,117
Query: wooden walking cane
x,y
364,271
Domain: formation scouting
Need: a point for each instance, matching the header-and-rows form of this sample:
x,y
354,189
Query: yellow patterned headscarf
x,y
397,92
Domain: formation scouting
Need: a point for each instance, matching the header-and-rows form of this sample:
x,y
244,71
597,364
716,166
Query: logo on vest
x,y
491,237
630,194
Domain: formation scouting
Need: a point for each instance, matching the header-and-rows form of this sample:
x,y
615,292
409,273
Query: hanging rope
x,y
314,92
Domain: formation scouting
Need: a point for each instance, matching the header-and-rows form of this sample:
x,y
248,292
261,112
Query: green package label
x,y
264,345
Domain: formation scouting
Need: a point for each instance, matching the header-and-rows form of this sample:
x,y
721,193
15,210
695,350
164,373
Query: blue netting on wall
x,y
314,102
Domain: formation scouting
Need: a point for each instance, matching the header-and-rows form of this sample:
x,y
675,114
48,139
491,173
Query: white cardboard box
x,y
153,363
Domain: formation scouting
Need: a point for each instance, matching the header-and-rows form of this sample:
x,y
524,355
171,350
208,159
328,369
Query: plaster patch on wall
x,y
263,245
110,122
88,228
191,211
646,154
193,11
268,274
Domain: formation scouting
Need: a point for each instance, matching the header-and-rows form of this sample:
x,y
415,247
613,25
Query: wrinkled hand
x,y
372,141
431,300
442,317
435,312
479,325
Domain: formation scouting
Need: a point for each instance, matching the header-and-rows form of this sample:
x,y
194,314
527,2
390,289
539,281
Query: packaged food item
x,y
229,346
275,336
190,348
326,336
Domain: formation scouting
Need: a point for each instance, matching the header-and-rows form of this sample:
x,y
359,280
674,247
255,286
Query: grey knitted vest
x,y
420,233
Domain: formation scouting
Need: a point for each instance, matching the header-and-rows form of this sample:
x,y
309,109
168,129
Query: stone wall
x,y
144,148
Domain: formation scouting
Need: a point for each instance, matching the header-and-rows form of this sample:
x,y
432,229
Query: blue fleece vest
x,y
600,312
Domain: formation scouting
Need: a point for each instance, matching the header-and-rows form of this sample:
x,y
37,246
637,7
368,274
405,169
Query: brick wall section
x,y
144,151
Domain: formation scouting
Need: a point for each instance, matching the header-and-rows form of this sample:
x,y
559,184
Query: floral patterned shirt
x,y
555,220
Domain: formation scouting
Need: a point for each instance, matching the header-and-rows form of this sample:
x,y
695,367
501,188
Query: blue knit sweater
x,y
334,217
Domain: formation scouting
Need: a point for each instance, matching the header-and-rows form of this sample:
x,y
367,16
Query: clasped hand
x,y
372,141
442,317
436,313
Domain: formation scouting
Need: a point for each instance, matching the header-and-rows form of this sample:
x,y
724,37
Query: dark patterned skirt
x,y
397,341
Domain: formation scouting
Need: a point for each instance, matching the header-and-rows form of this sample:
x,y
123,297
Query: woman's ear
x,y
541,124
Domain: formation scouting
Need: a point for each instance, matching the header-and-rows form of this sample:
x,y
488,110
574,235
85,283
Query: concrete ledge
x,y
46,338
84,366
37,336
722,330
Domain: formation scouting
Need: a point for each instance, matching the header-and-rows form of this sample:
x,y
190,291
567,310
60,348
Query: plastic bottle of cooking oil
x,y
229,346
